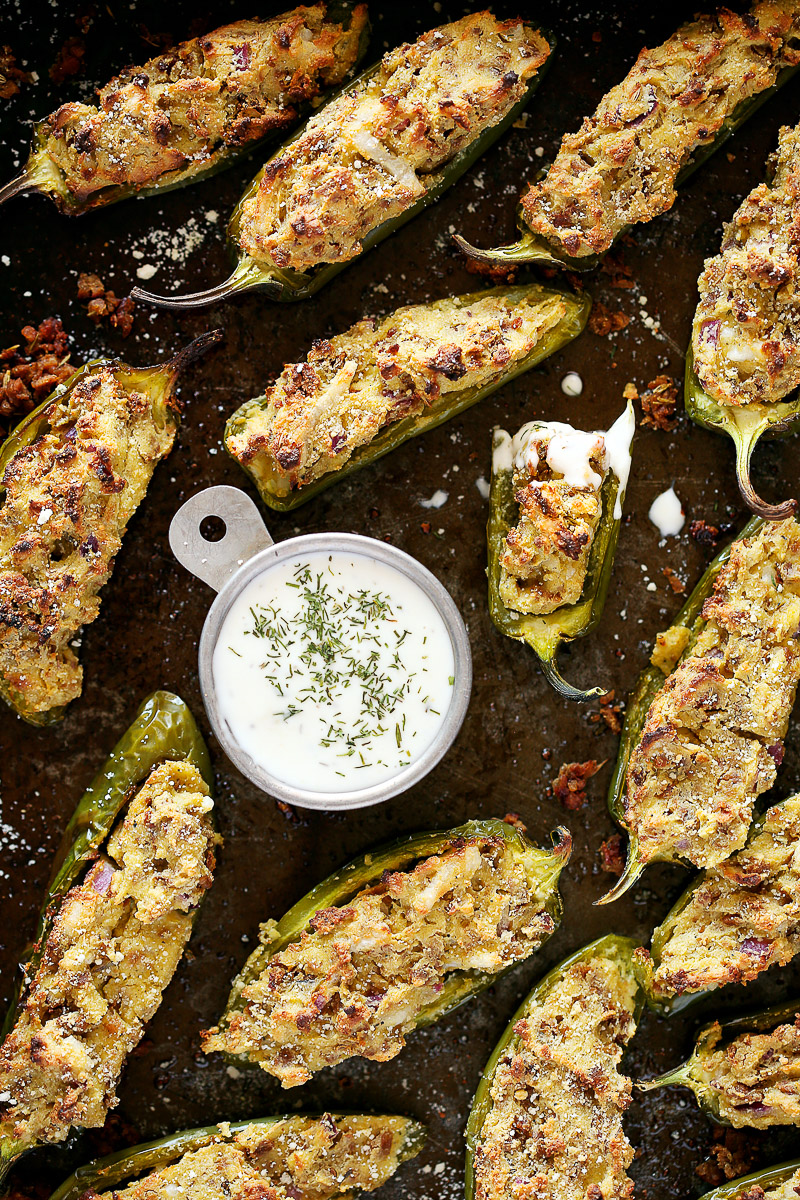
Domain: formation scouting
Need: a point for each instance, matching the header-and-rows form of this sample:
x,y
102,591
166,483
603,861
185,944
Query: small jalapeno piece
x,y
242,84
359,169
733,922
357,1152
648,135
568,1033
741,375
382,909
743,1072
163,733
404,374
774,1183
564,529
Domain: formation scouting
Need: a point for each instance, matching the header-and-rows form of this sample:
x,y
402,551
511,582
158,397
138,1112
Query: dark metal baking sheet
x,y
517,732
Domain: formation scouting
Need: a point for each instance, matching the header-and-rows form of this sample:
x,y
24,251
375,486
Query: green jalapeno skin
x,y
436,413
610,946
533,248
162,730
745,424
399,855
546,634
772,1177
648,685
158,383
686,1074
284,285
42,176
127,1165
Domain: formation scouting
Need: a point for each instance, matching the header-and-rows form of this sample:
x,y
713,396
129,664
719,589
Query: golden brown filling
x,y
713,737
363,974
299,1158
755,1078
744,915
112,949
746,334
374,151
554,1129
546,554
69,497
622,165
179,110
319,412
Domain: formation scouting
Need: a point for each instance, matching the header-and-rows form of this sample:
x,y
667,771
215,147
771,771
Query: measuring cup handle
x,y
245,534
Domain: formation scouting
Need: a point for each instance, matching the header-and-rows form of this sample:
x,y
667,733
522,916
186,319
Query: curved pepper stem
x,y
746,436
633,869
679,1075
16,187
564,689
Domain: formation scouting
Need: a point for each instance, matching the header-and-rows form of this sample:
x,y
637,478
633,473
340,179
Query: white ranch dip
x,y
333,671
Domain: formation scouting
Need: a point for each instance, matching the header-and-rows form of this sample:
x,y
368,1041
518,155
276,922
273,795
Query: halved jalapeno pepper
x,y
162,730
545,634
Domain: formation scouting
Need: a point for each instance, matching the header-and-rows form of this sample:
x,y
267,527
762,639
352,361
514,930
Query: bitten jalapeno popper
x,y
547,1115
364,392
73,473
136,859
743,362
734,921
371,158
704,729
332,1157
677,104
389,943
746,1072
191,110
555,508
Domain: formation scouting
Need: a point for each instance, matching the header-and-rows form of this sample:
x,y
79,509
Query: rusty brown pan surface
x,y
516,733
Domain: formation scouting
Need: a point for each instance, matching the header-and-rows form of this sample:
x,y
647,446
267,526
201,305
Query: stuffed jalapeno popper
x,y
704,729
743,362
555,508
362,393
72,474
390,942
331,1157
734,921
547,1116
371,158
745,1072
136,859
191,110
677,104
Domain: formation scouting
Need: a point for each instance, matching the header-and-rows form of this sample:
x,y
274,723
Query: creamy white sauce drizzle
x,y
570,452
333,671
666,513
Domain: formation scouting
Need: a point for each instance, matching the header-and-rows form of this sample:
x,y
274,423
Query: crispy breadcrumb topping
x,y
173,115
554,1129
622,166
361,976
747,324
713,737
111,951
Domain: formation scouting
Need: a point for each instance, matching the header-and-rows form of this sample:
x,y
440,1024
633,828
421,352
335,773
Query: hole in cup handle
x,y
245,534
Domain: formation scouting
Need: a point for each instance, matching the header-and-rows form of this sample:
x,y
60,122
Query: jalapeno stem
x,y
679,1075
633,869
189,354
564,689
748,428
15,187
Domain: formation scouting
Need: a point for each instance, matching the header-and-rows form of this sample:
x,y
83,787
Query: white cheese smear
x,y
570,452
666,513
333,671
